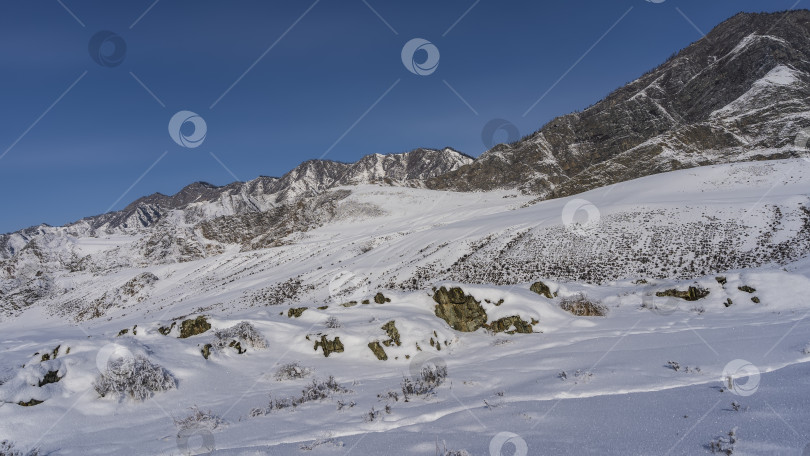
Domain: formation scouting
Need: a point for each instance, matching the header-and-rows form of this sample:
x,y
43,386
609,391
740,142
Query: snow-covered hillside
x,y
699,276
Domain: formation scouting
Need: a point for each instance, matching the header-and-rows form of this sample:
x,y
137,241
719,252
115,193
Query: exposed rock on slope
x,y
461,311
739,94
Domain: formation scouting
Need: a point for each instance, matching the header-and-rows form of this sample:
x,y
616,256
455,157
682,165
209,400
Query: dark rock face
x,y
541,289
390,328
462,312
165,330
329,346
691,104
692,294
194,327
503,325
378,351
380,298
296,312
50,377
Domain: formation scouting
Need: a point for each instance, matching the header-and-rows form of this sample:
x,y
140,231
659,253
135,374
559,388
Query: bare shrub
x,y
332,322
328,440
318,390
244,332
292,371
137,378
581,306
443,451
724,445
430,378
372,415
7,449
199,419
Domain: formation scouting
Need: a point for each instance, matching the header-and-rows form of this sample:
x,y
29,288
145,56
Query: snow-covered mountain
x,y
202,201
738,94
202,220
621,263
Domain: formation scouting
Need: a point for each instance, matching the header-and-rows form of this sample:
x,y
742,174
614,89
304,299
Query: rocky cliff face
x,y
738,94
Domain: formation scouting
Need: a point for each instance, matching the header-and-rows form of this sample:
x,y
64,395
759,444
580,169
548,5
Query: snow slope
x,y
577,385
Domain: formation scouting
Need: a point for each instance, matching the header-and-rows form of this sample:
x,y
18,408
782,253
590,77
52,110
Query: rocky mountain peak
x,y
678,115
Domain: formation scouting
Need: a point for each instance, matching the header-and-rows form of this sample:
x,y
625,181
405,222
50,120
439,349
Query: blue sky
x,y
325,64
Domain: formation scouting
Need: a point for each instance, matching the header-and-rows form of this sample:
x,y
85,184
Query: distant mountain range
x,y
739,94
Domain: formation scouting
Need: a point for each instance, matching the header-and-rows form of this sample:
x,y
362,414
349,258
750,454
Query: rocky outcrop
x,y
461,311
691,294
329,346
390,328
378,351
542,289
296,312
194,327
507,323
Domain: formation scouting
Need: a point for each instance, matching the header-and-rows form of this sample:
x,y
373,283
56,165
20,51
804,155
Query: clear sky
x,y
280,82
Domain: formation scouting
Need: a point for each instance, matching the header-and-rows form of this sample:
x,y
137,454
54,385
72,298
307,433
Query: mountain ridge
x,y
738,95
550,162
672,103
